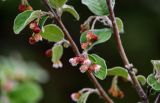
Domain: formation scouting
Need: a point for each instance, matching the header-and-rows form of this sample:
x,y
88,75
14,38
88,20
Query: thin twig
x,y
94,23
157,99
122,53
76,51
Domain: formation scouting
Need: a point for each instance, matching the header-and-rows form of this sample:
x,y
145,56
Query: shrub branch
x,y
77,53
123,55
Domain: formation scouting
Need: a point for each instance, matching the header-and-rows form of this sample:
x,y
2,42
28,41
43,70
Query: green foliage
x,y
103,36
120,25
156,65
57,3
27,92
22,78
118,71
52,33
57,52
102,73
84,97
98,7
141,79
42,21
71,10
153,82
23,19
20,70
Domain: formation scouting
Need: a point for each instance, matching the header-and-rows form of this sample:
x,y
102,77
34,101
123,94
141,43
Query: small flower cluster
x,y
86,64
24,7
91,38
36,37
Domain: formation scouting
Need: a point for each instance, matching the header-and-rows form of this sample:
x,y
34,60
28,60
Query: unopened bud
x,y
75,96
84,68
87,62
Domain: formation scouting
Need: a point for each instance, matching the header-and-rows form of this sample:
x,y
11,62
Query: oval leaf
x,y
98,7
118,71
26,92
71,10
52,33
152,81
103,36
57,52
120,25
57,3
102,73
84,97
42,21
141,79
23,19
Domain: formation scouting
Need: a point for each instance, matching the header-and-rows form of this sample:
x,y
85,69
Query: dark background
x,y
141,40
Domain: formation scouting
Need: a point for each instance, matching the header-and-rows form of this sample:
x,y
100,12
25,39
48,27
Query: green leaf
x,y
118,71
103,36
152,81
36,72
156,65
42,21
120,25
26,92
84,97
23,19
98,7
57,52
57,3
71,10
52,33
141,79
102,73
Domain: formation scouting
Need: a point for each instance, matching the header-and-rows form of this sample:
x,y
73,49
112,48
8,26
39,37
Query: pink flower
x,y
84,68
75,96
87,62
74,61
57,64
95,67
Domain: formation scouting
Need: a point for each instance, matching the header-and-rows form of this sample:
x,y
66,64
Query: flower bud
x,y
22,8
84,45
37,37
74,61
84,68
84,28
91,37
66,44
36,29
87,62
33,25
94,37
57,64
95,67
48,53
75,96
29,8
32,40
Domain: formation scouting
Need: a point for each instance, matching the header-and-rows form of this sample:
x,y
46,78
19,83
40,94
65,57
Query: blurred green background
x,y
141,40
